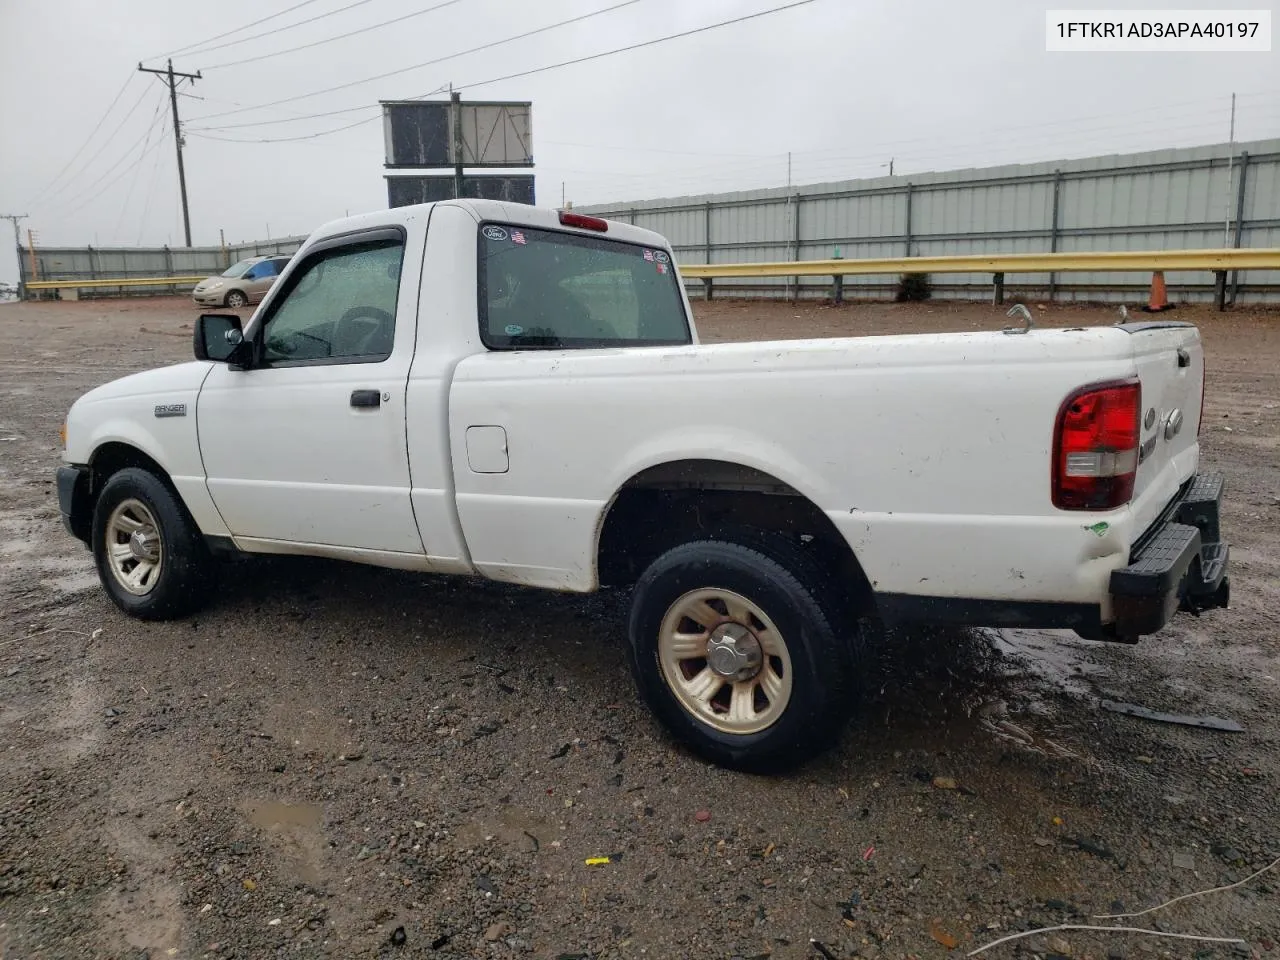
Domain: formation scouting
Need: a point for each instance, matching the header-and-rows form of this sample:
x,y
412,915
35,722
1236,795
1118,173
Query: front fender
x,y
87,444
158,419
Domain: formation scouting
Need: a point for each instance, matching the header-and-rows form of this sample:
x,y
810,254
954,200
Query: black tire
x,y
788,585
186,572
235,300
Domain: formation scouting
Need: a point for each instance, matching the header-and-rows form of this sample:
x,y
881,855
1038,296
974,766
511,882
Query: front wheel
x,y
236,300
151,559
739,654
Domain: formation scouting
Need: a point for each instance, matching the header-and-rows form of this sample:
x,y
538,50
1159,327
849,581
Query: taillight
x,y
1095,446
583,221
1204,384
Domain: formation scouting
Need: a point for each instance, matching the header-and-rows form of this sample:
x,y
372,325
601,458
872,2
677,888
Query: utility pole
x,y
15,219
171,78
1231,156
456,98
31,249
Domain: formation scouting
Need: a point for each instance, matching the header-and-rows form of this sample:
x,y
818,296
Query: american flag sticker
x,y
648,255
518,237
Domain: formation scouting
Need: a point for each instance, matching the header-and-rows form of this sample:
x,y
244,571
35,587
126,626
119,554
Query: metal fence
x,y
101,263
1192,198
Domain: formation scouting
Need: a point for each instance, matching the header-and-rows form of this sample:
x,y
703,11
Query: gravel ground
x,y
347,762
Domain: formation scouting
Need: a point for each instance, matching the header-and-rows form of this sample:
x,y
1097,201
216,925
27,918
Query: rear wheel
x,y
739,655
151,559
236,300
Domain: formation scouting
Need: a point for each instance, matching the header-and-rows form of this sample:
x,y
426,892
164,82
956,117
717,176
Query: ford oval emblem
x,y
1173,424
494,232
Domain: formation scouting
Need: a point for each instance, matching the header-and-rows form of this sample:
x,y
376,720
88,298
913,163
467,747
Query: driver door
x,y
307,445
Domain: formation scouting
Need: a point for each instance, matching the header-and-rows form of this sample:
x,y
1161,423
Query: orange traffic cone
x,y
1158,300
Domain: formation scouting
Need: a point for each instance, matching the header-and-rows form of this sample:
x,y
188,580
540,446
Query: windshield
x,y
239,269
548,289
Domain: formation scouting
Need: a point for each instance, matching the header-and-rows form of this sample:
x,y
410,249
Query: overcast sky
x,y
844,85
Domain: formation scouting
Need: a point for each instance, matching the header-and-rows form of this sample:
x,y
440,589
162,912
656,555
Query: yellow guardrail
x,y
118,282
1144,261
1128,260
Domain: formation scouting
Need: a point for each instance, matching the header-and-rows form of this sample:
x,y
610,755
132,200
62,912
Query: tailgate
x,y
1170,363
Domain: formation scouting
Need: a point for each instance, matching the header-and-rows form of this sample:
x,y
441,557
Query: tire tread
x,y
813,720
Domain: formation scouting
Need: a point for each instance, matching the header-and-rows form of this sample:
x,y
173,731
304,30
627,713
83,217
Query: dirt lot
x,y
347,762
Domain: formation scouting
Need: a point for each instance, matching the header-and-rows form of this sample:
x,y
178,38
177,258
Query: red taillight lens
x,y
583,221
1095,446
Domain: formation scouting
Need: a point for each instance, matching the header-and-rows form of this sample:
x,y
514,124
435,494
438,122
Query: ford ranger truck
x,y
495,390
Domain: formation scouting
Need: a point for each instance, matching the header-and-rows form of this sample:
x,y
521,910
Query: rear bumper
x,y
75,500
1180,563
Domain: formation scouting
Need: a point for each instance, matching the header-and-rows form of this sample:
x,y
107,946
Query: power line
x,y
341,36
762,175
47,198
53,201
294,119
201,43
1071,129
633,149
743,170
510,76
119,176
151,187
416,66
287,26
636,46
523,73
307,136
84,194
1173,107
92,133
137,170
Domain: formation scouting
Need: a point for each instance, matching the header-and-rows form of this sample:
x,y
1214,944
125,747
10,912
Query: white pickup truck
x,y
495,390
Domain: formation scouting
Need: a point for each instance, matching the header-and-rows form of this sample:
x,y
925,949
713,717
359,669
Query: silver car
x,y
245,282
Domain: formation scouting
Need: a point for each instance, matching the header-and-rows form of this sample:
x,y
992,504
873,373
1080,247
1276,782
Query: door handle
x,y
366,398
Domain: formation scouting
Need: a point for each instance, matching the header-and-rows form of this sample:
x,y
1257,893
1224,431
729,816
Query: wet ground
x,y
347,762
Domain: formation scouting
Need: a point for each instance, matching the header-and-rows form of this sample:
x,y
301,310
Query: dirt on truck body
x,y
344,761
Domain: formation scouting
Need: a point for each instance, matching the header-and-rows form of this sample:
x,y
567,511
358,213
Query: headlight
x,y
214,285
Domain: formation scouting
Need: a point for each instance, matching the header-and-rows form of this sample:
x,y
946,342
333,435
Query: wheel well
x,y
113,457
686,500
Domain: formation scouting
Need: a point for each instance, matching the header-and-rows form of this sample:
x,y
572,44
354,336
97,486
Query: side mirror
x,y
217,337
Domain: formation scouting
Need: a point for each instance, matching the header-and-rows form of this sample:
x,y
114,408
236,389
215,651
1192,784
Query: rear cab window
x,y
549,289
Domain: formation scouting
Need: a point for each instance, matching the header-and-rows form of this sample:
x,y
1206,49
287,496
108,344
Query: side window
x,y
253,273
340,305
265,269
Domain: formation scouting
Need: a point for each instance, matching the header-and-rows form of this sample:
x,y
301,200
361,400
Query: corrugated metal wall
x,y
100,263
1162,200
